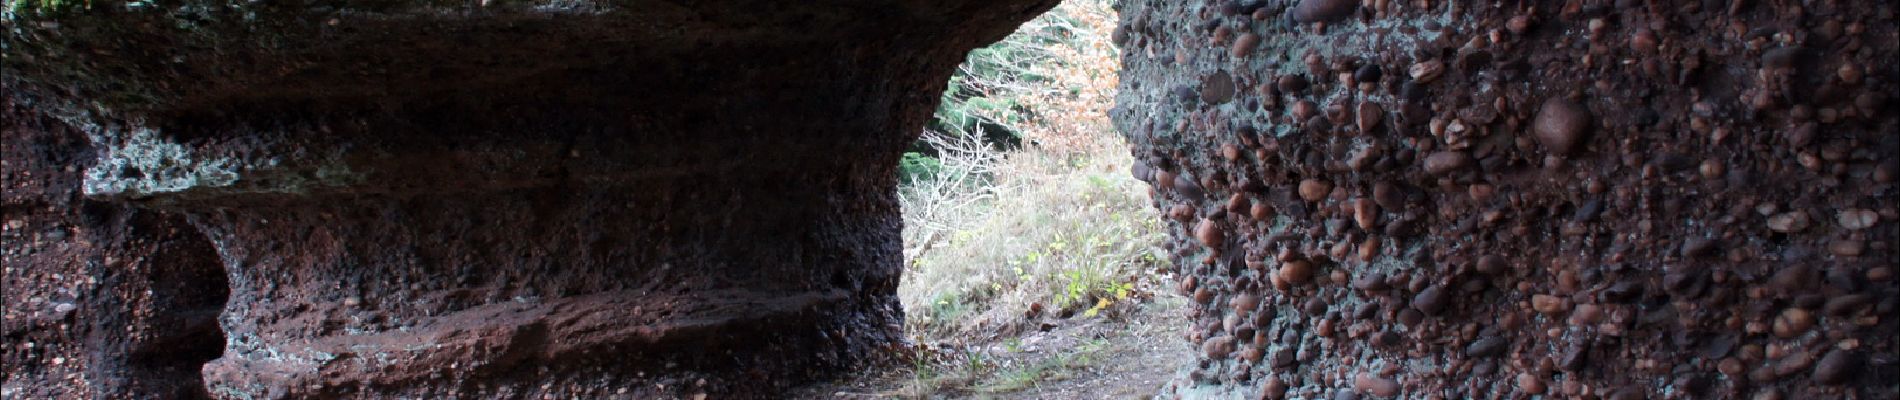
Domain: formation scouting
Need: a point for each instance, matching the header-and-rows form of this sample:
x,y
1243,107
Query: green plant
x,y
916,166
946,307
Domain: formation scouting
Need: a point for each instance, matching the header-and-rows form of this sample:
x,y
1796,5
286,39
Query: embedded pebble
x,y
1209,233
1296,272
1529,384
1376,385
1548,304
1323,10
1858,219
1788,222
1244,45
1837,367
1291,83
1488,346
1365,212
1315,189
1847,305
1795,363
1491,264
1445,162
1245,303
1369,116
1426,71
1561,125
1218,88
1431,301
1388,196
1792,321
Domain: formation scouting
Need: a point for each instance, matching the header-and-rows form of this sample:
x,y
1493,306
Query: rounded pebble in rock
x,y
1217,88
1291,83
1548,304
1371,282
1369,116
1793,364
1261,211
1491,264
1446,162
1323,10
1377,386
1487,347
1880,274
1518,24
1369,73
1315,189
1218,348
1275,389
1697,246
1846,247
1837,367
1186,187
1431,301
1244,45
1411,317
1296,272
1847,305
1712,169
1644,40
1426,71
1209,233
1252,355
1792,323
1245,303
1561,125
1305,110
1388,196
1239,203
1802,135
1788,222
1529,384
1366,213
1858,219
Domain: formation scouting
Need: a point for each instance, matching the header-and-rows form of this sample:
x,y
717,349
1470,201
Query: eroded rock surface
x,y
1583,199
100,300
508,200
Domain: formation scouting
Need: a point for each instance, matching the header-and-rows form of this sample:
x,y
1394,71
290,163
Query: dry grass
x,y
1058,224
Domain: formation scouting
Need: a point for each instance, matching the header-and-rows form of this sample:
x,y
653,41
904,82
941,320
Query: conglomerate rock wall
x,y
415,199
1499,199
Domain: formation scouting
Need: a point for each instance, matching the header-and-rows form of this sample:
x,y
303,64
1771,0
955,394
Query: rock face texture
x,y
434,200
1577,199
101,300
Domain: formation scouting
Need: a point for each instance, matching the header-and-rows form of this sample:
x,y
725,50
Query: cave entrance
x,y
1026,240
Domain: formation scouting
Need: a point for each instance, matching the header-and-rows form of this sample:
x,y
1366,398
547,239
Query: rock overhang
x,y
534,188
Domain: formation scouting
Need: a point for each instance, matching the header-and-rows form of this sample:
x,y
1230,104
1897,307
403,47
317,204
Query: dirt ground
x,y
1126,352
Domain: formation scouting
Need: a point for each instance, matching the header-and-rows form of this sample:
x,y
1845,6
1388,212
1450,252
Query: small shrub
x,y
916,166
